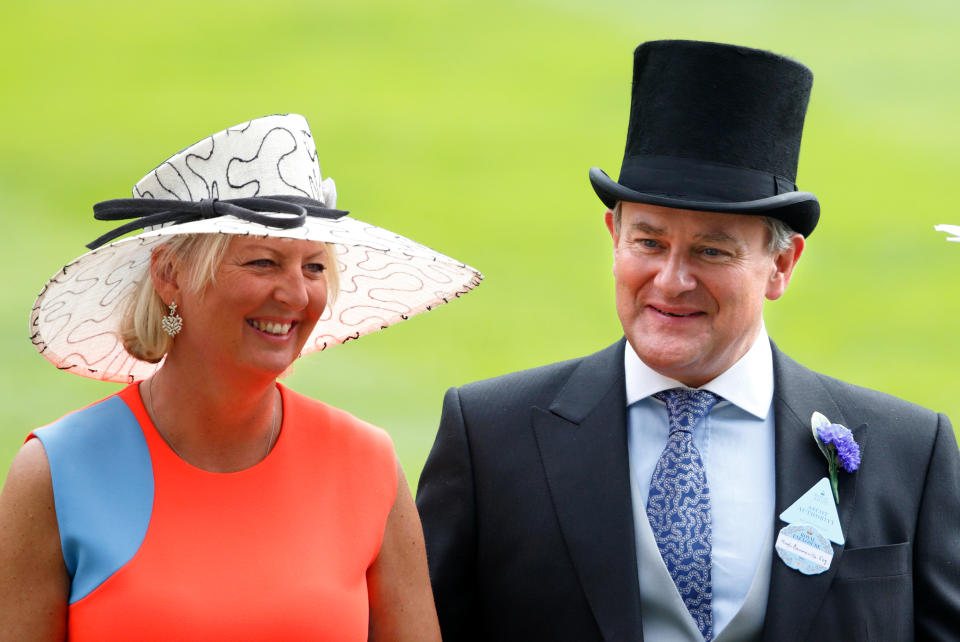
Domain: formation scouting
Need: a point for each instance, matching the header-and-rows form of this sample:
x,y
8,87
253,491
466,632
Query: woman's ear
x,y
165,274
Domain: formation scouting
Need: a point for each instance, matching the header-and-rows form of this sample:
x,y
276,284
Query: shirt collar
x,y
748,384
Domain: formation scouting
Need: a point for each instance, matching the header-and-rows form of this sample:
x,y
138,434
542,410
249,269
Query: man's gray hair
x,y
780,232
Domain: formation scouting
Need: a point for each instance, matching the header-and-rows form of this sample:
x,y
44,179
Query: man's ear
x,y
783,263
611,226
165,274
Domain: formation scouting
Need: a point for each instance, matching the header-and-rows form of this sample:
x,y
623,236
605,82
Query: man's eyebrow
x,y
647,228
718,237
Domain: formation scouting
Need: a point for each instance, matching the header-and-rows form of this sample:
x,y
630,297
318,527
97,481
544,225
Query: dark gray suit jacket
x,y
525,502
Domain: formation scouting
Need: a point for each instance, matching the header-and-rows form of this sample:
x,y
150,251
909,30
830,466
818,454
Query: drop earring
x,y
173,322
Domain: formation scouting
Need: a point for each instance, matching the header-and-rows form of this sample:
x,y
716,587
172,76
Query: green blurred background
x,y
470,127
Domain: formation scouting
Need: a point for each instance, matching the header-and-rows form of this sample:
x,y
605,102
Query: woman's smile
x,y
272,328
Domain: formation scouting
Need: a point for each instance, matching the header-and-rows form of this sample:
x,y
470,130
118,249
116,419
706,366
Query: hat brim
x,y
385,278
799,210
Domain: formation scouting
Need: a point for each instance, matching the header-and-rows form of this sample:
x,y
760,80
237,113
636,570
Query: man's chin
x,y
681,361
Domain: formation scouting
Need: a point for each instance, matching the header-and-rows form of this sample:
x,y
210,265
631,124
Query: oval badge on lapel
x,y
803,548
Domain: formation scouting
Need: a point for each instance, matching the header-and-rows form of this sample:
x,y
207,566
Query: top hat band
x,y
698,180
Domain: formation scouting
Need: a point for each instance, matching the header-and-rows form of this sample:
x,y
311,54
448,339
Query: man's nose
x,y
675,275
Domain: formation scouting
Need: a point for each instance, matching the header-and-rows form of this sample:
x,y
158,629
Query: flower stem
x,y
833,477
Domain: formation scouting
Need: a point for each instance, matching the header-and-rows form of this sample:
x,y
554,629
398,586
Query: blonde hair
x,y
198,256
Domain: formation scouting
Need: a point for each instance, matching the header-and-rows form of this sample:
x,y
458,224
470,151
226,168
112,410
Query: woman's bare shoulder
x,y
28,482
33,580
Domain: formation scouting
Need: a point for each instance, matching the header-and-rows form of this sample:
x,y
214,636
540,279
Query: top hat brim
x,y
799,210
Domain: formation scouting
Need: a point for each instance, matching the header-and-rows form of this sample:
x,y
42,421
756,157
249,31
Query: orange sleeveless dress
x,y
160,550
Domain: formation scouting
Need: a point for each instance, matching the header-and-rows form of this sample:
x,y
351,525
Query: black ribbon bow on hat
x,y
284,212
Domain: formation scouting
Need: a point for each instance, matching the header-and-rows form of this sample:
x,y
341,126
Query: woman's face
x,y
265,300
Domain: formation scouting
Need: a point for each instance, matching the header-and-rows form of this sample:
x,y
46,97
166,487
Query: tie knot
x,y
686,407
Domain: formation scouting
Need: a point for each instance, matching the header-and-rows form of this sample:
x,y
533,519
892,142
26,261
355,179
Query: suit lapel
x,y
794,598
582,438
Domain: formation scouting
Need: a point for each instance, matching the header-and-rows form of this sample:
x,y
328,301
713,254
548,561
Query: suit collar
x,y
795,598
589,384
582,438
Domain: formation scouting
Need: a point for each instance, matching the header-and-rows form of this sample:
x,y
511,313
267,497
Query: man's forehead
x,y
712,226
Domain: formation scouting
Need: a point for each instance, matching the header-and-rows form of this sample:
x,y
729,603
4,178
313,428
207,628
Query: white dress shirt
x,y
736,443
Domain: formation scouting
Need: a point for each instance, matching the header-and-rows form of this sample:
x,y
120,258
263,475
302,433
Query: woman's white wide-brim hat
x,y
384,277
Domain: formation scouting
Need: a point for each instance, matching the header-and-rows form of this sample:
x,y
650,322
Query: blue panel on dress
x,y
102,488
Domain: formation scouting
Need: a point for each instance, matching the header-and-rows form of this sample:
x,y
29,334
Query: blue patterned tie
x,y
678,505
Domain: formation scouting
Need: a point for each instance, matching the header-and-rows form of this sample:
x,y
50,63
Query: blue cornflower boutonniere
x,y
837,444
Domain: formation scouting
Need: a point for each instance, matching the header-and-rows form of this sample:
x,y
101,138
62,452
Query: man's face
x,y
690,286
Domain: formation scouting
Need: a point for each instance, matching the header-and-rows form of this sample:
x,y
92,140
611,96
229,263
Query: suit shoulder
x,y
523,383
876,402
538,386
874,407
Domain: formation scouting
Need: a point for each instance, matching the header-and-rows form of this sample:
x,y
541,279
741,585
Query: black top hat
x,y
716,128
